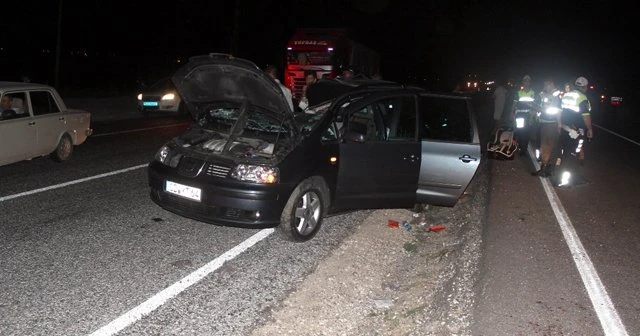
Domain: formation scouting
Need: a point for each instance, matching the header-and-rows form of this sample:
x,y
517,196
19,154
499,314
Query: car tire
x,y
305,209
64,149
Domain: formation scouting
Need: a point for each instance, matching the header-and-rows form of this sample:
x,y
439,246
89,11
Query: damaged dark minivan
x,y
249,161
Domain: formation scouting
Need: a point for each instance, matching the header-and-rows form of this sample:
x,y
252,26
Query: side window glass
x,y
365,121
14,105
446,119
331,133
43,103
399,114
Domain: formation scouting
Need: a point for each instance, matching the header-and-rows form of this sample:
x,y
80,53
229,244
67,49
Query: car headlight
x,y
139,96
169,96
553,110
163,154
167,156
257,174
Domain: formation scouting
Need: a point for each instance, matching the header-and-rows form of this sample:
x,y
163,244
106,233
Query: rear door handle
x,y
467,158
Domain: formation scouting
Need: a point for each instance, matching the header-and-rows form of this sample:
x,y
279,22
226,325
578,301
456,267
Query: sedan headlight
x,y
553,110
169,96
168,156
163,155
257,174
139,96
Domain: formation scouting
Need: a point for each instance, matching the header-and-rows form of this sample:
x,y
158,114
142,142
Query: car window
x,y
367,121
399,115
18,106
43,103
444,118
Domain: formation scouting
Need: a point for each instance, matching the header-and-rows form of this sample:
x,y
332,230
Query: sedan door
x,y
450,148
18,136
380,168
17,140
49,120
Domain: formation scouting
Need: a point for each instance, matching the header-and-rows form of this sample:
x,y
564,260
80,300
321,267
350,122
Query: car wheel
x,y
302,215
63,150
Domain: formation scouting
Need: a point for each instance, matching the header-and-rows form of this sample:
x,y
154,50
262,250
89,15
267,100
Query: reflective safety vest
x,y
528,95
575,104
551,106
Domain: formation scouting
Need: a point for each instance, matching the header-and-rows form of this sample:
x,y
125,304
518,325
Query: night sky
x,y
111,43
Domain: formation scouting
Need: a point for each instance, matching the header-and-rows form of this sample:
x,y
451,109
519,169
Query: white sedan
x,y
34,121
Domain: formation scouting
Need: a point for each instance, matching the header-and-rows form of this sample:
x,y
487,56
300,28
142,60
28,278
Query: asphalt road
x,y
563,261
82,248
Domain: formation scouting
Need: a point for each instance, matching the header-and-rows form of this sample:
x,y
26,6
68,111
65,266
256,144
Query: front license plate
x,y
183,190
149,103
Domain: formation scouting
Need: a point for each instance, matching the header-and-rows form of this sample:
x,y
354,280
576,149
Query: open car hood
x,y
211,78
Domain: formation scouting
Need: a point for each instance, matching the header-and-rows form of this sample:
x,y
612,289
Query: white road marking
x,y
616,134
137,313
602,304
137,130
61,185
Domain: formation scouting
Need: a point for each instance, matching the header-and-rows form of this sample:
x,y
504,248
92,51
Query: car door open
x,y
450,148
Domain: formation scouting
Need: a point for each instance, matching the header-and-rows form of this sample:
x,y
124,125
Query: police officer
x,y
524,101
576,126
549,123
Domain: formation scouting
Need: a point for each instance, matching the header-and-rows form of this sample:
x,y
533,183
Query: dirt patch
x,y
392,281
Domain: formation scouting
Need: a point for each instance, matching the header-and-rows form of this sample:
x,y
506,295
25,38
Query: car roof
x,y
22,86
330,88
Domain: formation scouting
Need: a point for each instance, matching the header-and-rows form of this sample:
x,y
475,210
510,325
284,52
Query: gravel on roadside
x,y
384,280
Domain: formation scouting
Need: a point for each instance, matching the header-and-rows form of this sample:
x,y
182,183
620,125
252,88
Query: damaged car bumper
x,y
224,203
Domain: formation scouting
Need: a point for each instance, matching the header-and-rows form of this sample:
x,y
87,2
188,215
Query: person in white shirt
x,y
273,73
499,100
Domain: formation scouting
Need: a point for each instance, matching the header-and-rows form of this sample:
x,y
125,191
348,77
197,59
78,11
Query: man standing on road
x,y
576,125
310,78
273,73
499,103
525,98
549,123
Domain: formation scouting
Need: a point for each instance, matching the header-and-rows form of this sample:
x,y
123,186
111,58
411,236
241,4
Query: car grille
x,y
208,211
190,167
217,170
298,84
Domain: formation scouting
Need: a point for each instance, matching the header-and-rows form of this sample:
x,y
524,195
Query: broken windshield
x,y
254,123
310,119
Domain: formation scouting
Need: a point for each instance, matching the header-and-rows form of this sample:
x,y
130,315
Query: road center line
x,y
137,130
168,293
61,185
602,304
